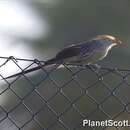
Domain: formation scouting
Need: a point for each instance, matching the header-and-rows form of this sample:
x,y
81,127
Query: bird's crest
x,y
108,37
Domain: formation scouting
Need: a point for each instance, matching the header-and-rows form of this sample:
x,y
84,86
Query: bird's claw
x,y
94,67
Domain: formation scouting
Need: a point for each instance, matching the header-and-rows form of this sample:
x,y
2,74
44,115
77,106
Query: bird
x,y
83,53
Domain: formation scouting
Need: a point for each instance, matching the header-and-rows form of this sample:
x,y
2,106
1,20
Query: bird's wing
x,y
85,49
69,52
90,48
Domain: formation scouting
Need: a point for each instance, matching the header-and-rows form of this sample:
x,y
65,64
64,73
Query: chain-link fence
x,y
60,98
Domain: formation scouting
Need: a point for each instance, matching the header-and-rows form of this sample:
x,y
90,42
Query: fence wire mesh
x,y
60,98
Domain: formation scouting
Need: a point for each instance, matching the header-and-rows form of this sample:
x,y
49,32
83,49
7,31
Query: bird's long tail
x,y
48,62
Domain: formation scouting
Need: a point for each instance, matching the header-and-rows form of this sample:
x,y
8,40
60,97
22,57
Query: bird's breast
x,y
95,57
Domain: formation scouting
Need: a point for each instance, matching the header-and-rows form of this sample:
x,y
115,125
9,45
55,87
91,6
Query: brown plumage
x,y
88,52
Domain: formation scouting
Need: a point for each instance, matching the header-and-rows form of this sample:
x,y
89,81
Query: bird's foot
x,y
94,67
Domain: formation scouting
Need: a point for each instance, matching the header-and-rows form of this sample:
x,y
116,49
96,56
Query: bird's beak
x,y
118,41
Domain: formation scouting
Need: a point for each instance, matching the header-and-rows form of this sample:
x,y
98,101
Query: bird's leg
x,y
94,67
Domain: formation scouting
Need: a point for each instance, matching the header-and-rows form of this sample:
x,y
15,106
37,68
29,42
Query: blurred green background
x,y
77,20
61,96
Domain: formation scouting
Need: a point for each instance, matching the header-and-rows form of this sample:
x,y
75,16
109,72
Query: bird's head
x,y
109,39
